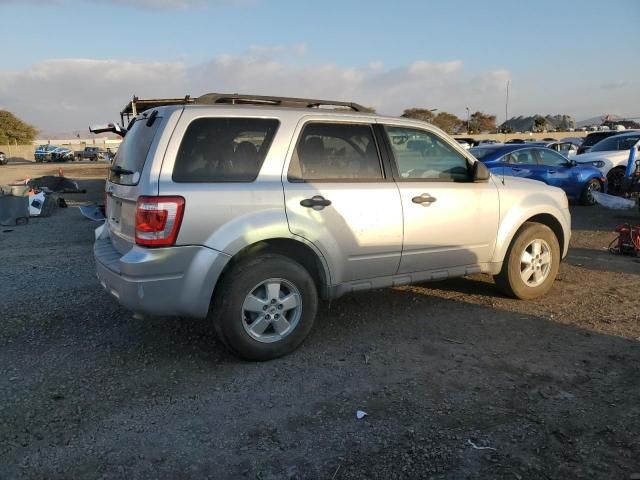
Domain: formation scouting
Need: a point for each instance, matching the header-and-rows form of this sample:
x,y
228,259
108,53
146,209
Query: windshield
x,y
481,153
133,151
621,142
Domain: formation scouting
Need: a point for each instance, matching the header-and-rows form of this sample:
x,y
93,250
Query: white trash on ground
x,y
613,202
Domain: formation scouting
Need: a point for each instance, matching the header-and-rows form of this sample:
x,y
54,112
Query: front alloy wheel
x,y
531,263
535,263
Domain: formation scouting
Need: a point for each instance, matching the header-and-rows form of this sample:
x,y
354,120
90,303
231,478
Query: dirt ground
x,y
546,389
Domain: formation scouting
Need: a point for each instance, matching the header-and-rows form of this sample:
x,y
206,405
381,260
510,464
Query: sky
x,y
65,64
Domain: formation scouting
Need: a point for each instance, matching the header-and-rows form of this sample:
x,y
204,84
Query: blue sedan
x,y
541,163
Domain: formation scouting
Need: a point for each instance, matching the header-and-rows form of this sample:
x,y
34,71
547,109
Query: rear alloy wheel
x,y
531,263
615,179
272,310
592,185
264,307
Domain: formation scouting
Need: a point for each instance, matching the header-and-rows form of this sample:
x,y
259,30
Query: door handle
x,y
317,202
425,199
552,171
516,169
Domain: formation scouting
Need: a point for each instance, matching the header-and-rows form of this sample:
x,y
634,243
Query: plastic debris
x,y
92,212
480,448
613,202
360,414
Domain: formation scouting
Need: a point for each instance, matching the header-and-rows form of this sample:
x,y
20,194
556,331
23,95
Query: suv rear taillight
x,y
158,220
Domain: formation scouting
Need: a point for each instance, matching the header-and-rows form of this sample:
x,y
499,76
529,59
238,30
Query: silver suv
x,y
248,210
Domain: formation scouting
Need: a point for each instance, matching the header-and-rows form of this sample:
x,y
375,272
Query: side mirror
x,y
480,172
572,163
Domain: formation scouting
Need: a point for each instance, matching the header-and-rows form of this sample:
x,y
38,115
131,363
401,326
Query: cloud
x,y
140,4
68,94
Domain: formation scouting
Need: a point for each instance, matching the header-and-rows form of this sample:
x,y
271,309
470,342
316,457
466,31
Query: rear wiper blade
x,y
118,170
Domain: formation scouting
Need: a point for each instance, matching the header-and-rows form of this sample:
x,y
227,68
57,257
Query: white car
x,y
611,156
568,149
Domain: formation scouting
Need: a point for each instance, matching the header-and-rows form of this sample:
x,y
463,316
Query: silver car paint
x,y
358,239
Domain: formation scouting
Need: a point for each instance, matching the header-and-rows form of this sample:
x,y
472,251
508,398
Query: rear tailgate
x,y
130,176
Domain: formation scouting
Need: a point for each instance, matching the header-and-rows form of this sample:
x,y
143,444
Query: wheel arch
x,y
303,253
548,219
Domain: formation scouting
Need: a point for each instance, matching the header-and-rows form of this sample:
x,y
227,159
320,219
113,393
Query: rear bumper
x,y
161,281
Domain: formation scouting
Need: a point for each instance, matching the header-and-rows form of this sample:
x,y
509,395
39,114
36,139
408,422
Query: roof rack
x,y
137,105
236,98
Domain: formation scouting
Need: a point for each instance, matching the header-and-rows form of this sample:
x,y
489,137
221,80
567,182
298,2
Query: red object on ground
x,y
60,172
628,241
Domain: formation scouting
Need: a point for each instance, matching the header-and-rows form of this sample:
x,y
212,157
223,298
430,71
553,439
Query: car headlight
x,y
598,164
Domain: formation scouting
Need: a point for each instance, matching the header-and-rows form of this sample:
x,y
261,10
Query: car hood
x,y
523,184
611,159
592,156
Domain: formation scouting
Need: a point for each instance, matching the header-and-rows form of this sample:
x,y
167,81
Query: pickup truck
x,y
89,153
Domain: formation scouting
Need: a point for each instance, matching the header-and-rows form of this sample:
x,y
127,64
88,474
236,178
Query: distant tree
x,y
14,130
419,114
539,123
481,122
447,122
444,120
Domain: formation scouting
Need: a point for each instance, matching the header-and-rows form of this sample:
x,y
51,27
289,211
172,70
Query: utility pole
x,y
506,104
468,121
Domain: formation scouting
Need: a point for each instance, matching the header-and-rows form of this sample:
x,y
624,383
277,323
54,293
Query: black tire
x,y
509,280
592,185
615,179
227,307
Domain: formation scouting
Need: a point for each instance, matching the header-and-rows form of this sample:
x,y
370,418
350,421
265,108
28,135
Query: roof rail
x,y
138,105
236,98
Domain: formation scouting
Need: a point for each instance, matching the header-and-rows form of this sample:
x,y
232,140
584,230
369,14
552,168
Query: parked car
x,y
90,153
471,141
3,159
515,141
463,144
250,214
593,138
566,149
541,163
611,156
52,153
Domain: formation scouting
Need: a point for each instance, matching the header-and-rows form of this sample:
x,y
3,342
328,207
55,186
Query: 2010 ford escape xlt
x,y
248,210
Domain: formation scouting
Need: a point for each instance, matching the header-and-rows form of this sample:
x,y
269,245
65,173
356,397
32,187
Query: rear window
x,y
594,138
133,151
624,142
224,149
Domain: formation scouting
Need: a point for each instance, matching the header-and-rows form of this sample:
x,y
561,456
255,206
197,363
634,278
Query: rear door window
x,y
224,149
133,151
336,152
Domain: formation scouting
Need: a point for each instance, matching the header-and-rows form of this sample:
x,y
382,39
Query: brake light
x,y
158,220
